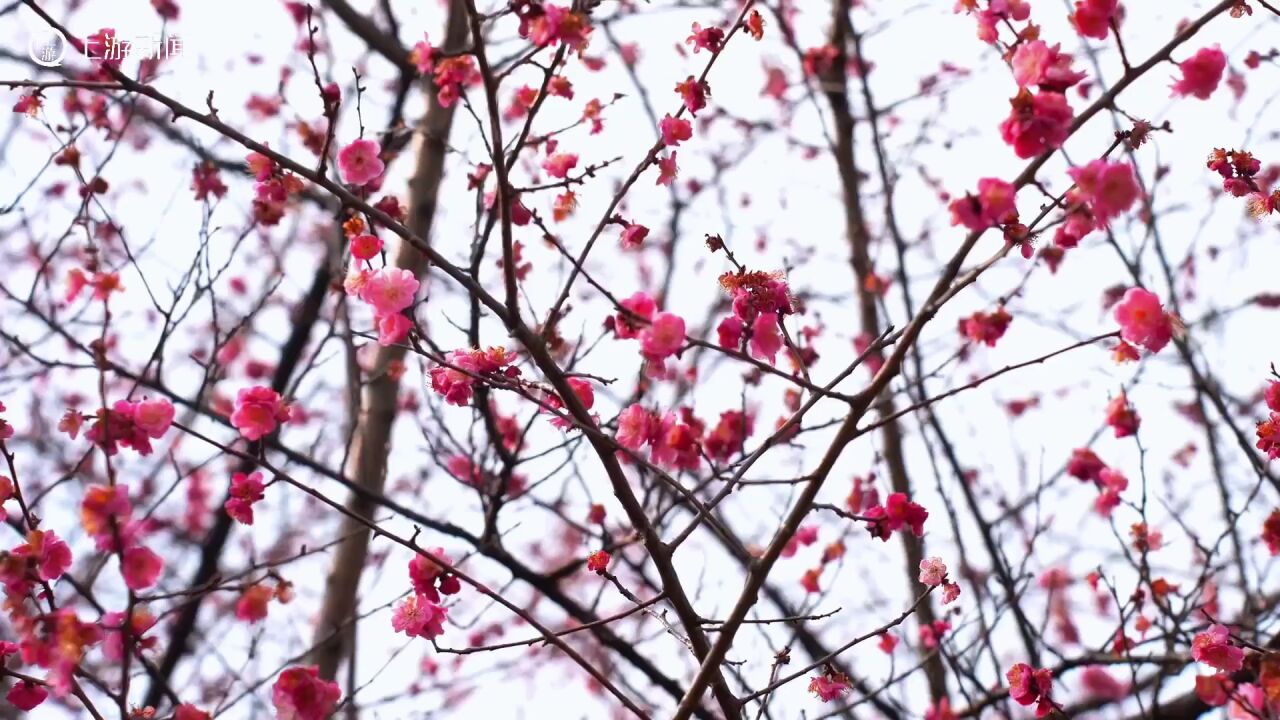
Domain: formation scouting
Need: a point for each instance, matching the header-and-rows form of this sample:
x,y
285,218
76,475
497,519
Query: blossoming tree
x,y
616,359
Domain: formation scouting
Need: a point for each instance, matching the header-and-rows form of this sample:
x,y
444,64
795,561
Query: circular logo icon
x,y
47,48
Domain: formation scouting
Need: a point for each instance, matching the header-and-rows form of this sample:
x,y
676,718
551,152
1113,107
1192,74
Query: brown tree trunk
x,y
835,83
335,631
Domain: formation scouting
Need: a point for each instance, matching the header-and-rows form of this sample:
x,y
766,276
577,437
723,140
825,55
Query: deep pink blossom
x,y
258,411
141,568
300,694
417,616
1092,18
1201,73
1109,187
1143,320
675,130
245,491
993,205
558,165
1037,123
766,337
1213,647
664,336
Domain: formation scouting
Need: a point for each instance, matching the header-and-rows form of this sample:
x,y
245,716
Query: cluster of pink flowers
x,y
1111,482
245,491
301,694
259,410
986,328
133,424
1028,686
1201,73
1143,320
830,685
760,301
272,190
421,615
995,204
388,292
896,513
114,625
106,514
559,164
1213,648
672,443
547,23
694,93
103,284
661,334
431,579
1122,417
1037,123
1109,188
1271,532
931,634
729,434
455,382
1243,176
452,74
254,603
933,572
1092,18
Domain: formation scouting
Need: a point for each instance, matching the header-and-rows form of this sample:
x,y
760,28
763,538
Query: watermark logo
x,y
47,48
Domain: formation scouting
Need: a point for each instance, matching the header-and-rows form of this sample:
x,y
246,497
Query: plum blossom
x,y
1109,188
766,337
455,383
1037,123
1035,63
598,562
558,165
633,235
664,336
1201,73
932,571
1143,321
258,411
1031,687
245,491
993,205
300,694
26,695
896,513
694,94
359,164
1092,18
1213,648
674,130
831,685
1122,417
423,55
141,568
417,616
389,290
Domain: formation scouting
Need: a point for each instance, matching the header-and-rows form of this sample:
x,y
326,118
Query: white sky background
x,y
792,200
